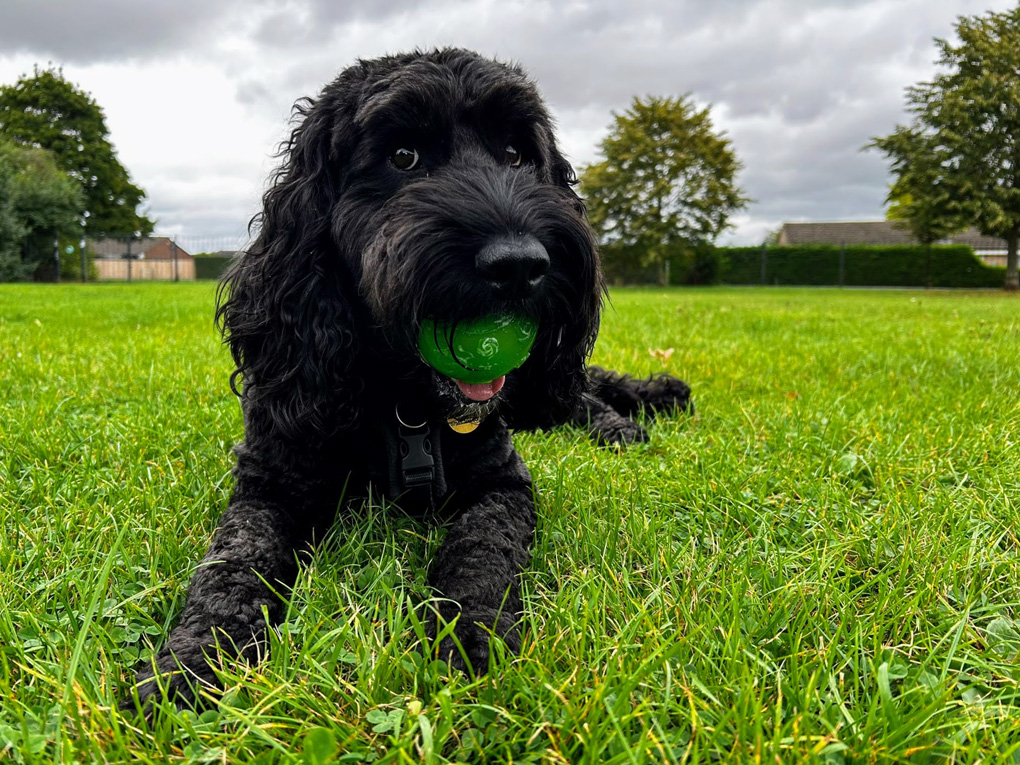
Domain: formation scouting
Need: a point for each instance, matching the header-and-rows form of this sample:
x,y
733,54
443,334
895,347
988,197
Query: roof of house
x,y
151,247
876,232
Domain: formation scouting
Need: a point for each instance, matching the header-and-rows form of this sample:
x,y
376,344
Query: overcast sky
x,y
197,93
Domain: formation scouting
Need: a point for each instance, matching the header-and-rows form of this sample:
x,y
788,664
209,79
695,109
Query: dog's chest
x,y
421,468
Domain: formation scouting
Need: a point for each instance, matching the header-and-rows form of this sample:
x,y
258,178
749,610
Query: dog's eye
x,y
404,159
512,156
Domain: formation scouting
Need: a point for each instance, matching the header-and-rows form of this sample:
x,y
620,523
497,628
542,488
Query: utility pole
x,y
173,250
84,258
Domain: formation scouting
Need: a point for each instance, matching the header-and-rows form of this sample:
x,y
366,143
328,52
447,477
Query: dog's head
x,y
419,186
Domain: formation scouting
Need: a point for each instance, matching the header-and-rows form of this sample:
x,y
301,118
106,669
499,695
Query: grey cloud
x,y
195,210
108,30
315,21
254,92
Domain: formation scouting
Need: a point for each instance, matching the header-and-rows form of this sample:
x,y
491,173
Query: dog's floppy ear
x,y
283,305
562,171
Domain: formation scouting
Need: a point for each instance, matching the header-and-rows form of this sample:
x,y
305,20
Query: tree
x,y
771,238
667,180
46,111
38,204
958,163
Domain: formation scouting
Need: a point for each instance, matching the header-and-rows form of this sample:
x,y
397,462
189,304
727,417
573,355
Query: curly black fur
x,y
613,400
322,314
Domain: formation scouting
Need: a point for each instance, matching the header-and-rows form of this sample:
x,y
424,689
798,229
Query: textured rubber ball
x,y
479,350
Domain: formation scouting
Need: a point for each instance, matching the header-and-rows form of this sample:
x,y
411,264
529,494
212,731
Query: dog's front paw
x,y
468,647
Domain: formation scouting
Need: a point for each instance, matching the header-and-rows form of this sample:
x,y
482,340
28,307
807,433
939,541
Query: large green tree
x,y
667,180
923,205
958,162
38,205
46,111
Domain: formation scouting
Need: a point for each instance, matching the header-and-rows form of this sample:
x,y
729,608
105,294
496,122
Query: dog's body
x,y
416,186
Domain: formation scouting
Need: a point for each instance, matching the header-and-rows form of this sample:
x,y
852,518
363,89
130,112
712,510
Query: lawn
x,y
822,565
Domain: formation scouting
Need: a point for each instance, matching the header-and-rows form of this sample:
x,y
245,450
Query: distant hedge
x,y
863,266
817,265
211,267
699,264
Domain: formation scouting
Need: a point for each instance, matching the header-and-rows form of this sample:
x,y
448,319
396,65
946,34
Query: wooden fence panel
x,y
144,270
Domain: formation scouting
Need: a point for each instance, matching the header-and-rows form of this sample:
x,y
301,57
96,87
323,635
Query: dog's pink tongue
x,y
481,391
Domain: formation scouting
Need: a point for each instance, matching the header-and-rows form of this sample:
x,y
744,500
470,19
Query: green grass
x,y
821,566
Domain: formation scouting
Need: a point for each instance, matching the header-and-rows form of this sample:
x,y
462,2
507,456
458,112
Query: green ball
x,y
477,351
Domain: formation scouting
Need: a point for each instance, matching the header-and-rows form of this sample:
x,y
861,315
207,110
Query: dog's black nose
x,y
514,266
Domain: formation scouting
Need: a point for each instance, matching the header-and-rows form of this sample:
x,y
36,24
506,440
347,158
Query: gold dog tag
x,y
464,427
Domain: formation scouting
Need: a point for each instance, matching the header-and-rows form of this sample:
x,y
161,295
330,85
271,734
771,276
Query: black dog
x,y
414,186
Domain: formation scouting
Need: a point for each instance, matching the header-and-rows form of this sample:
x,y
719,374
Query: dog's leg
x,y
606,426
236,589
478,565
659,393
615,399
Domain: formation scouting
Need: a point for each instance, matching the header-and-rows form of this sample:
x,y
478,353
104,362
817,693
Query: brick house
x,y
155,257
